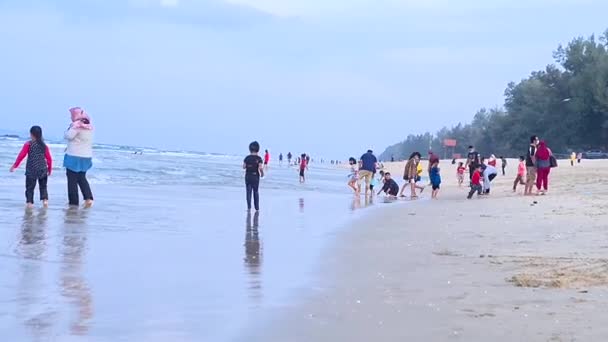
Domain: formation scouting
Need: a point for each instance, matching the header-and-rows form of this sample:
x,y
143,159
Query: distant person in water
x,y
266,158
460,173
254,170
38,168
390,187
303,168
79,156
280,158
289,158
435,179
503,161
353,177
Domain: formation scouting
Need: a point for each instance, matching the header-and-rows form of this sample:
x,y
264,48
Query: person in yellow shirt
x,y
572,158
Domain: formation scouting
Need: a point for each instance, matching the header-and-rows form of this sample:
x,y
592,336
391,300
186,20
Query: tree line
x,y
566,104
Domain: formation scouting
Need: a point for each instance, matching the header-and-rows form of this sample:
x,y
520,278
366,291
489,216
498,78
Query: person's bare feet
x,y
88,203
45,203
29,205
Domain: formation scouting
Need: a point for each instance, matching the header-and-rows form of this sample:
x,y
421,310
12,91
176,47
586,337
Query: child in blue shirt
x,y
435,179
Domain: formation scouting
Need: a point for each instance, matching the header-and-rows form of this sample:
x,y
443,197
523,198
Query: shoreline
x,y
501,268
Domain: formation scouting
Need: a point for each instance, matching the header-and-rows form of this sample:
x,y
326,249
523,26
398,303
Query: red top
x,y
267,157
303,164
492,162
26,149
461,170
476,178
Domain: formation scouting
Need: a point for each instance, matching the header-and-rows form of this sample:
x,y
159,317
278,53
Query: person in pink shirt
x,y
521,172
38,167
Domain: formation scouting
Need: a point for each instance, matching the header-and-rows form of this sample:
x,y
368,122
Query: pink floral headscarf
x,y
78,114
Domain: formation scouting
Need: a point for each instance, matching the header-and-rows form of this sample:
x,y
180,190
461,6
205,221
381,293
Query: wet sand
x,y
503,268
160,263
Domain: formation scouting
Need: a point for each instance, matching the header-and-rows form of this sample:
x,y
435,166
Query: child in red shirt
x,y
460,173
475,182
303,167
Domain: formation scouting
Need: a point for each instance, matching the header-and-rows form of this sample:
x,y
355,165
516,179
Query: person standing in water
x,y
38,168
367,168
266,159
353,177
78,157
303,168
254,170
281,159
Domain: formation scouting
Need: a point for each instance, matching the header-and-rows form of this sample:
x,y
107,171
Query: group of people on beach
x,y
78,159
533,170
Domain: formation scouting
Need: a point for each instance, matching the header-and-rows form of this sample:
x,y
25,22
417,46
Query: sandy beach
x,y
503,268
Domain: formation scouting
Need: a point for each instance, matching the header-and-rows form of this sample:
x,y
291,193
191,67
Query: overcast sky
x,y
328,77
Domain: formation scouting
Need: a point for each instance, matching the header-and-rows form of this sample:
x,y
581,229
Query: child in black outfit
x,y
254,170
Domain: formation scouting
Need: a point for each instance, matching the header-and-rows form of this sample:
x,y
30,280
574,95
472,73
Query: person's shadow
x,y
73,284
253,255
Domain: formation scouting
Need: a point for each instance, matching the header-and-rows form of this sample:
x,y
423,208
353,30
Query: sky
x,y
328,77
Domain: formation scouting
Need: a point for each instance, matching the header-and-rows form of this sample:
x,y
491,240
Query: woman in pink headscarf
x,y
79,156
543,167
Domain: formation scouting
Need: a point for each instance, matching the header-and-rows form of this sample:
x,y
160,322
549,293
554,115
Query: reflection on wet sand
x,y
356,204
73,285
253,255
31,249
301,205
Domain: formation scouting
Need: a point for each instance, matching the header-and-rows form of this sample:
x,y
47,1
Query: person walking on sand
x,y
521,173
78,157
579,156
543,167
410,174
531,165
433,158
353,177
38,167
460,173
435,177
503,162
472,161
254,170
475,182
367,168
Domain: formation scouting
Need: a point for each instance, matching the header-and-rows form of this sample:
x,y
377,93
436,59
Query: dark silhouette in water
x,y
253,255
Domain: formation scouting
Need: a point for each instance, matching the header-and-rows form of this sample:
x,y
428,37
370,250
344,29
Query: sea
x,y
168,252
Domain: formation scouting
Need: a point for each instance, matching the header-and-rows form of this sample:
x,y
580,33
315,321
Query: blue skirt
x,y
77,164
